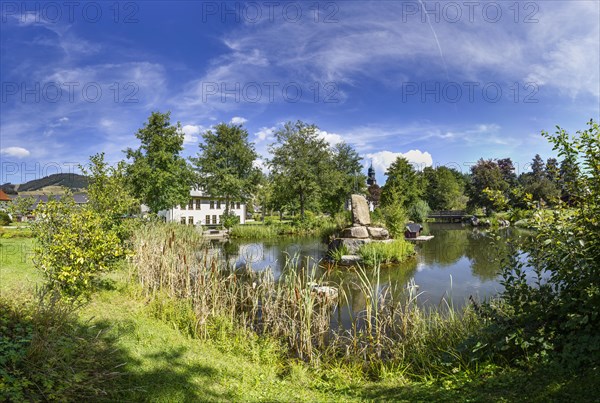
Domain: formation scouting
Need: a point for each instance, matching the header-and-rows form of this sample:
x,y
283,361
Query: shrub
x,y
418,211
230,219
386,252
394,218
556,316
4,218
73,247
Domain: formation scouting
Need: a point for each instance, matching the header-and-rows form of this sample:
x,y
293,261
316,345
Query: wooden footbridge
x,y
448,215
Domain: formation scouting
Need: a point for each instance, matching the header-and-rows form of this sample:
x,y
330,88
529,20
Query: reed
x,y
375,253
189,286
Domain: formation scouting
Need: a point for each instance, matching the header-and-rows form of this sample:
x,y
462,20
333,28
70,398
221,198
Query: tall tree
x,y
508,170
444,191
552,169
485,174
158,175
344,177
403,185
300,164
225,164
538,168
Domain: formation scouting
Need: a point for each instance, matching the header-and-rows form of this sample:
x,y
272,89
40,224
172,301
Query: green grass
x,y
386,252
128,354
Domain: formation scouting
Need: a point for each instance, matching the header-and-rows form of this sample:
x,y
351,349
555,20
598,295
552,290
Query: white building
x,y
202,210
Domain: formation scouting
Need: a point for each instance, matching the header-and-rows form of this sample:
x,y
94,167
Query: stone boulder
x,y
360,210
378,233
355,232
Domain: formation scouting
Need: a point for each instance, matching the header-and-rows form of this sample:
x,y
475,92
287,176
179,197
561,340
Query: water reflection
x,y
458,262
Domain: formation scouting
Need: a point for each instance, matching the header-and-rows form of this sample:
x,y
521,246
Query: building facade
x,y
202,210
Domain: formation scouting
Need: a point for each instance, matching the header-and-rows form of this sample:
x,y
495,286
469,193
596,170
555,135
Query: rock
x,y
351,244
325,291
349,260
360,210
355,232
378,233
474,221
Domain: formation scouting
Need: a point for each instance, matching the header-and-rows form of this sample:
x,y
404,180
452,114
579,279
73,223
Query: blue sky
x,y
441,83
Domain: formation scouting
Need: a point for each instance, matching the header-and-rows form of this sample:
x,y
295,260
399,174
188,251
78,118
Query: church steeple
x,y
371,176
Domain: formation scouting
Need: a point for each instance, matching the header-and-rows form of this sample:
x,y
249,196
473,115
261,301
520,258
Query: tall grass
x,y
395,251
323,230
188,286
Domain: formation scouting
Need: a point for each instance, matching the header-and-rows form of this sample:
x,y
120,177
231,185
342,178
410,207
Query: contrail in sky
x,y
436,41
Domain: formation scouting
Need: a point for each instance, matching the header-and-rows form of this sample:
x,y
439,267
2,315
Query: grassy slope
x,y
162,364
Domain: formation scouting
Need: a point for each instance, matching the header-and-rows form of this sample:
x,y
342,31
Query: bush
x,y
73,247
386,252
419,211
230,219
394,219
4,218
556,316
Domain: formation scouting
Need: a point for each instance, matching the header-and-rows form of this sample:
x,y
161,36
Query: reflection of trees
x,y
447,246
487,253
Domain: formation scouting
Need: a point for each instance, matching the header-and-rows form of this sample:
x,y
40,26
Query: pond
x,y
460,261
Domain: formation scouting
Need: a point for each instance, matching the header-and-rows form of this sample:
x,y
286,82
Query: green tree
x,y
508,170
108,193
344,178
300,165
538,168
20,206
485,174
403,186
556,316
159,177
225,164
444,191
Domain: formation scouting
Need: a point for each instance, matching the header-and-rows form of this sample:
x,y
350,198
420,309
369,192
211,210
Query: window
x,y
212,204
198,203
190,220
232,205
191,205
215,219
182,207
183,220
218,204
207,220
238,205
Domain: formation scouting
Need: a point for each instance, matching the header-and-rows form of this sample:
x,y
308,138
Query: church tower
x,y
371,176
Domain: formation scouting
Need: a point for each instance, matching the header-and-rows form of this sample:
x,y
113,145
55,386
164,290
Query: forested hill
x,y
69,180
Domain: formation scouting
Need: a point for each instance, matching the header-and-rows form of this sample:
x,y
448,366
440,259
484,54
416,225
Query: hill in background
x,y
55,183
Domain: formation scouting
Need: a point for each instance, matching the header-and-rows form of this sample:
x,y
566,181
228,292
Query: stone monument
x,y
361,232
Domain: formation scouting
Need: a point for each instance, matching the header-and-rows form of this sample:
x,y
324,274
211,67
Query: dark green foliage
x,y
444,191
418,211
158,175
557,316
4,218
229,219
300,164
403,185
225,164
486,174
344,178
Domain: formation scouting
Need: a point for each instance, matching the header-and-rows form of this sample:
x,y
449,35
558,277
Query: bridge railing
x,y
448,213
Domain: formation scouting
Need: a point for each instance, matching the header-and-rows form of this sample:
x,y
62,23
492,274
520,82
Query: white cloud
x,y
383,159
17,152
331,138
237,120
63,119
191,132
265,133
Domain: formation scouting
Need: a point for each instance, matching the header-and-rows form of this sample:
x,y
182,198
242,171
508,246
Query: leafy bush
x,y
557,316
229,219
73,247
4,218
394,219
386,252
418,211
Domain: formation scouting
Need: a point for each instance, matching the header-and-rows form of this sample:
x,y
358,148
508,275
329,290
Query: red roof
x,y
4,196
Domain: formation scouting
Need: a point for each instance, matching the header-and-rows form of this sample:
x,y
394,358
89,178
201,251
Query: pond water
x,y
458,262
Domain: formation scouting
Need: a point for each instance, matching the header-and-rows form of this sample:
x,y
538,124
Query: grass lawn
x,y
161,364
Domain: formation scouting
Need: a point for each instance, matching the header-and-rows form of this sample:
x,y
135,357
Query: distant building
x,y
4,200
79,198
371,176
202,210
